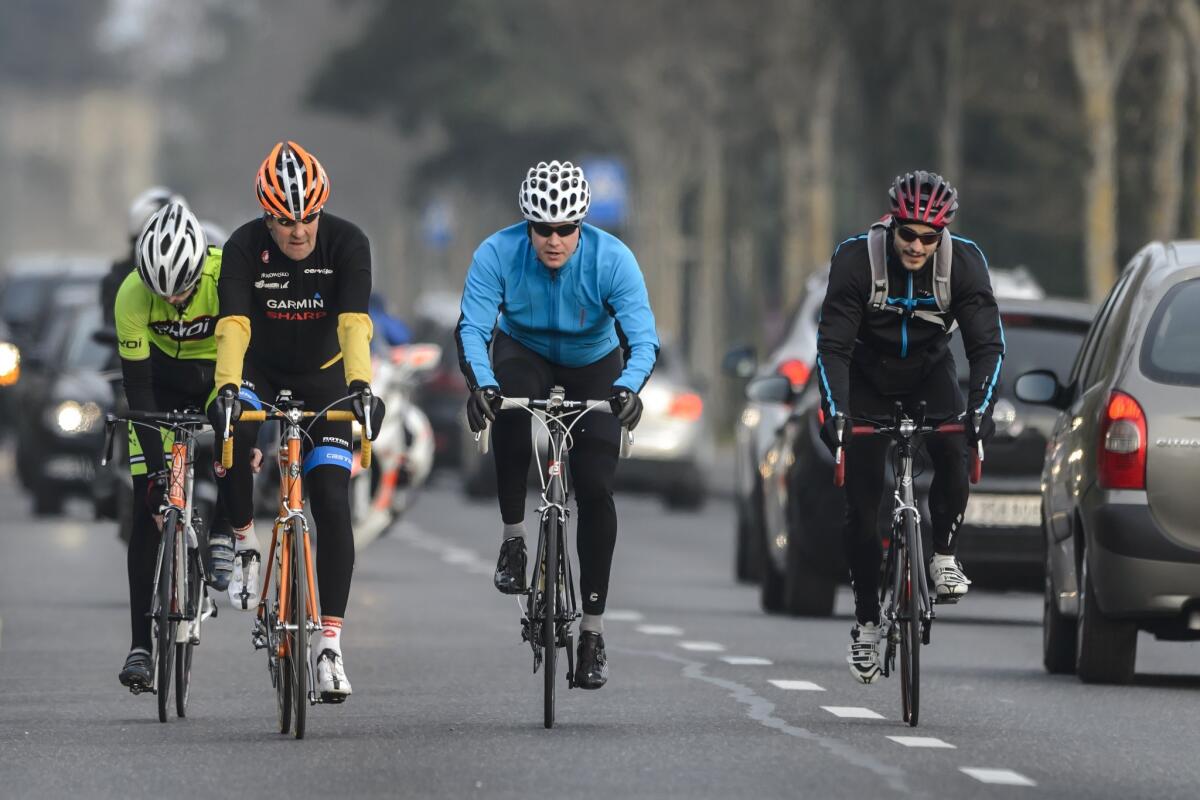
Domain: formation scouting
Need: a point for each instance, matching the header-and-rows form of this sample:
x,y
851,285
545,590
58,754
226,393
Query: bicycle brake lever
x,y
110,425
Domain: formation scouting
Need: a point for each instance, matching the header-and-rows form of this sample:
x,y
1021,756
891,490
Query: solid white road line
x,y
747,661
703,647
852,712
621,615
1005,777
797,686
660,630
921,741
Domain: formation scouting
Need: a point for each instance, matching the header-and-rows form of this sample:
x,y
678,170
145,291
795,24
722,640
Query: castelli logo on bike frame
x,y
554,468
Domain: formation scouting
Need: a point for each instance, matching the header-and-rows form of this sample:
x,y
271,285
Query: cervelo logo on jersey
x,y
182,330
318,271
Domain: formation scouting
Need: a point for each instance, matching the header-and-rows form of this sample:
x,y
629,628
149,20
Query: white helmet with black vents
x,y
171,251
555,192
145,204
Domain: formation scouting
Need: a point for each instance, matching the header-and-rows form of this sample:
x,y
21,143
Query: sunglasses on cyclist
x,y
909,235
544,230
288,222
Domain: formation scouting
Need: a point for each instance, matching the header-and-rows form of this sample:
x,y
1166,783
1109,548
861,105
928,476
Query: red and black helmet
x,y
924,197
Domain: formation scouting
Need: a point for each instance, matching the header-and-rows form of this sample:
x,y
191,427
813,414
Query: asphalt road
x,y
708,696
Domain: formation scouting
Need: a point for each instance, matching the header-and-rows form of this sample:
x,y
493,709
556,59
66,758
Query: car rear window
x,y
1031,342
1169,352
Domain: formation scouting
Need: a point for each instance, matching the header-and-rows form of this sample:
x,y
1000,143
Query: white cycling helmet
x,y
171,250
555,193
145,204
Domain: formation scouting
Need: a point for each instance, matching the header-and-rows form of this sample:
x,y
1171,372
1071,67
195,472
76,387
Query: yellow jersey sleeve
x,y
233,338
354,335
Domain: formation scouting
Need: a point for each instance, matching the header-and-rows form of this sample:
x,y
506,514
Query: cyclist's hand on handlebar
x,y
226,400
829,432
627,406
480,407
979,427
367,403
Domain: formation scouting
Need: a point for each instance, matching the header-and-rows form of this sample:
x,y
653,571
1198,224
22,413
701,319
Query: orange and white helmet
x,y
291,183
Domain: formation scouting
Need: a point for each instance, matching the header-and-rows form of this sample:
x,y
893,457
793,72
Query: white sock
x,y
330,636
593,623
245,539
514,530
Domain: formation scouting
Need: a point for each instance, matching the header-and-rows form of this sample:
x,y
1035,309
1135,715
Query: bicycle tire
x,y
910,629
183,653
283,669
164,627
298,646
550,605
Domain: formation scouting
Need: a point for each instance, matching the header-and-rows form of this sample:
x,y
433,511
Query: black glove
x,y
227,398
979,427
627,406
829,432
479,407
156,490
364,398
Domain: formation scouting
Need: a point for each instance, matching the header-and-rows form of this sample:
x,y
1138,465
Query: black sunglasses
x,y
909,235
288,222
543,229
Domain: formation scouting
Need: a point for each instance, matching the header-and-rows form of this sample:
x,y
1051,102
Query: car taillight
x,y
795,371
1123,444
686,405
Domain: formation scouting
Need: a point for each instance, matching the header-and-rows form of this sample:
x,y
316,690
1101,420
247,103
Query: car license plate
x,y
1004,510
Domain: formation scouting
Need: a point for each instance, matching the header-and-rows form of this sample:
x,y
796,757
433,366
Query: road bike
x,y
180,602
550,604
283,623
907,607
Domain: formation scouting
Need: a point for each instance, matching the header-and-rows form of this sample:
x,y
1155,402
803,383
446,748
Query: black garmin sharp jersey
x,y
293,306
851,330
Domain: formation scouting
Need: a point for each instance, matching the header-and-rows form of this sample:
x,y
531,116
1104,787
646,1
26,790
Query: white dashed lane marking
x,y
852,712
747,661
618,615
921,741
1005,777
797,686
703,647
660,630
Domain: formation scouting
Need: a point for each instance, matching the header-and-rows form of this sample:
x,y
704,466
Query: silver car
x,y
1119,486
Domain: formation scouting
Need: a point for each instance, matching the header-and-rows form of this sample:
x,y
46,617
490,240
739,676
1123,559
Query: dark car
x,y
61,429
1119,498
803,511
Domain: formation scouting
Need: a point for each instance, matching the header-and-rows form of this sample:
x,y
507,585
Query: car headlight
x,y
10,363
71,417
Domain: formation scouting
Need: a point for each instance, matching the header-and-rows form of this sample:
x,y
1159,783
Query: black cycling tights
x,y
866,462
593,458
327,482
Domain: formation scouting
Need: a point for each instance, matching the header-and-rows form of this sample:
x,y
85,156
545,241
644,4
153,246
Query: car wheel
x,y
1105,649
810,591
748,556
46,503
772,587
1058,630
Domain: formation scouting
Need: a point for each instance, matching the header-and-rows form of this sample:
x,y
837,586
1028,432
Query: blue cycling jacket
x,y
572,316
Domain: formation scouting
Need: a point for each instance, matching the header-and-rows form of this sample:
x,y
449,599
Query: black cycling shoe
x,y
591,667
510,567
136,672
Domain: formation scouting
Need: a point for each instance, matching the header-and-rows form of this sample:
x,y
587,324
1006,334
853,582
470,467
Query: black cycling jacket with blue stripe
x,y
912,327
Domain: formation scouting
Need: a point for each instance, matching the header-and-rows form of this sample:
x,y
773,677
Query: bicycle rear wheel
x,y
164,626
183,652
910,627
551,531
298,644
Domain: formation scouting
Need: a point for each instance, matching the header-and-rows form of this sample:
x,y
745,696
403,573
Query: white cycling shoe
x,y
864,652
243,583
949,582
332,682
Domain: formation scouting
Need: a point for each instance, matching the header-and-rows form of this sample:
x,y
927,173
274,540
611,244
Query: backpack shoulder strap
x,y
877,250
941,271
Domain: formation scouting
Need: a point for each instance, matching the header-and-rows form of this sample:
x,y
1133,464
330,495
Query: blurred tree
x,y
1188,15
1170,126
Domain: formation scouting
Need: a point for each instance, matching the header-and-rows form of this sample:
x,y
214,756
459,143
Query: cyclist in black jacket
x,y
895,295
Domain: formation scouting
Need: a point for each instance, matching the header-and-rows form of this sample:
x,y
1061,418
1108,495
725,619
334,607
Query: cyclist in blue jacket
x,y
561,303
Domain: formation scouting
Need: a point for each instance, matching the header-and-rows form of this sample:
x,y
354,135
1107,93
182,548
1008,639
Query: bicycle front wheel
x,y
164,626
910,626
276,645
549,567
298,646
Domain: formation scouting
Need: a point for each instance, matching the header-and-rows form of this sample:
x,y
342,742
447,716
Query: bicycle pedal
x,y
947,599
